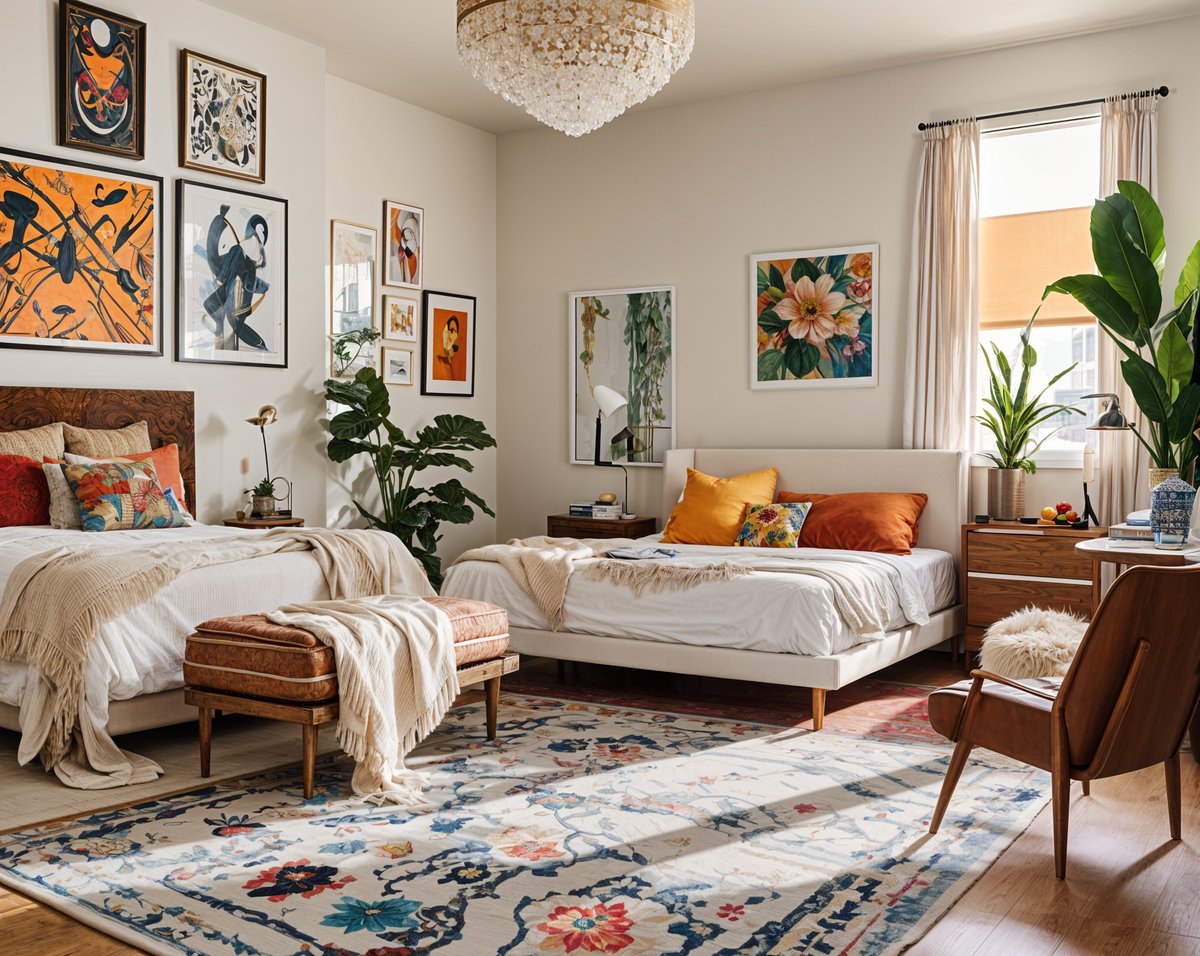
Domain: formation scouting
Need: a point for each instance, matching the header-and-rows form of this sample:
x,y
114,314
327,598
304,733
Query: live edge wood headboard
x,y
170,415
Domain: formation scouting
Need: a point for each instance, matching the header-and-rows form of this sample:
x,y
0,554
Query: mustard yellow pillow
x,y
713,509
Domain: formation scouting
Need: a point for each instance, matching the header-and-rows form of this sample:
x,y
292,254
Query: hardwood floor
x,y
1129,891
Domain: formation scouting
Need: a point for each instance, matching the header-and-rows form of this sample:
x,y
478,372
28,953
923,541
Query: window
x,y
1037,187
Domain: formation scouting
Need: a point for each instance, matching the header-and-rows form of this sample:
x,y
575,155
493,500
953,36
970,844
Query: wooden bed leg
x,y
310,758
491,688
562,672
206,717
954,649
818,707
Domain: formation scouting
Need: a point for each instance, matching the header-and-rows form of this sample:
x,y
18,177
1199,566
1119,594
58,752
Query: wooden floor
x,y
1129,890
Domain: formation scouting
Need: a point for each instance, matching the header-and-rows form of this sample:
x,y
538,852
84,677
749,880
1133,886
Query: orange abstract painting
x,y
450,338
450,332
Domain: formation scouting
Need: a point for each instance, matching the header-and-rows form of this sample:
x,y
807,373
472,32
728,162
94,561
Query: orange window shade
x,y
1020,255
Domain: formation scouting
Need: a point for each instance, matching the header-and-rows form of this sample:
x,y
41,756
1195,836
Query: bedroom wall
x,y
296,168
682,195
377,147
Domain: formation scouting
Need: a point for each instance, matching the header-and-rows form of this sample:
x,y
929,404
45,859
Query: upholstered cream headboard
x,y
942,475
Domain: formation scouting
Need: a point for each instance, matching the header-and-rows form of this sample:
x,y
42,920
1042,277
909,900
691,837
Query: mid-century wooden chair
x,y
1124,704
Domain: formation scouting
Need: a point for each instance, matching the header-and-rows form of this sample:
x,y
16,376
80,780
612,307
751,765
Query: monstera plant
x,y
412,512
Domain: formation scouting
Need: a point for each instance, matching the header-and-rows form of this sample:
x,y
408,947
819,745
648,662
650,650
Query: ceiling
x,y
405,48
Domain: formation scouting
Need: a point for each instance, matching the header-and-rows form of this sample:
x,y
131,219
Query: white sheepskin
x,y
1032,642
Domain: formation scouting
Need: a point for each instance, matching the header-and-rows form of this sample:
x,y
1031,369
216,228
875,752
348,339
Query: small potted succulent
x,y
262,498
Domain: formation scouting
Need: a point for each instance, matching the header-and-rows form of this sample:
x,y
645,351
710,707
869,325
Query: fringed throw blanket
x,y
54,603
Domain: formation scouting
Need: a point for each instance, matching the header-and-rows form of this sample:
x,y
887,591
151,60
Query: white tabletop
x,y
1135,552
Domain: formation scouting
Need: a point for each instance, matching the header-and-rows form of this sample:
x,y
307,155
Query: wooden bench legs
x,y
491,688
206,719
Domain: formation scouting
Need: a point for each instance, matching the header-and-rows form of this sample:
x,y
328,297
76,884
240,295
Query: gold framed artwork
x,y
404,244
352,281
222,117
397,366
401,313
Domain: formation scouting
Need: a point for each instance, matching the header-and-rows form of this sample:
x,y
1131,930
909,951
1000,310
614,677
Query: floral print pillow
x,y
773,526
121,496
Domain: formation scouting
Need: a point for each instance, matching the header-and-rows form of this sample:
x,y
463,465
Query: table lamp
x,y
609,402
1110,419
268,415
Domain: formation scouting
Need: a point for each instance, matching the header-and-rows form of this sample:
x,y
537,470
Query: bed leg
x,y
818,707
206,716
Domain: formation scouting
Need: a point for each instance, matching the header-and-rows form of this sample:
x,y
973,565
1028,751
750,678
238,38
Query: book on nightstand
x,y
1130,532
589,509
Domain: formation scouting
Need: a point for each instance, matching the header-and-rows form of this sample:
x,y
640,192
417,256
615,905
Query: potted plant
x,y
409,511
1011,416
262,498
1126,297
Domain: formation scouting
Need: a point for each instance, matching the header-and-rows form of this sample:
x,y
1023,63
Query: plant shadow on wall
x,y
411,512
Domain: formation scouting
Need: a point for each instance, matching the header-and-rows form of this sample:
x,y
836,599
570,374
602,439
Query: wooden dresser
x,y
1007,566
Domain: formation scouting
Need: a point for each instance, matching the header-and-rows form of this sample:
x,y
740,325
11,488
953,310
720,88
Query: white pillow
x,y
64,509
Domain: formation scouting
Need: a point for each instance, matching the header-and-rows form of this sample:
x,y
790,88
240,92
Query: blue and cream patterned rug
x,y
586,829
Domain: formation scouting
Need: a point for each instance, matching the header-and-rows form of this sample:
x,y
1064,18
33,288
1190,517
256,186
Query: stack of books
x,y
1124,531
594,509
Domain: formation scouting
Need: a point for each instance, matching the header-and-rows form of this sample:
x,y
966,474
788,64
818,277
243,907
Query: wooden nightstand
x,y
568,526
1007,566
255,523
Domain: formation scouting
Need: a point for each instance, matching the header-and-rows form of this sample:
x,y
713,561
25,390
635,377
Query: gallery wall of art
x,y
684,196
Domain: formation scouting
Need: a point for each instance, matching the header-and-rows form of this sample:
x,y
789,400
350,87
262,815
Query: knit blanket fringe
x,y
652,577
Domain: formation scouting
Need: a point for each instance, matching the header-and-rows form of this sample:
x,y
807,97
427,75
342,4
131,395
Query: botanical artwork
x,y
814,318
352,298
397,366
79,256
448,352
404,235
232,268
624,339
400,318
102,80
223,117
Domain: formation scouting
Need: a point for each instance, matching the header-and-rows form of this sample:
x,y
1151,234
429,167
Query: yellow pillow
x,y
713,509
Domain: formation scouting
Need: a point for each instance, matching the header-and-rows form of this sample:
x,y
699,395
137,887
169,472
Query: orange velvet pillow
x,y
713,509
882,521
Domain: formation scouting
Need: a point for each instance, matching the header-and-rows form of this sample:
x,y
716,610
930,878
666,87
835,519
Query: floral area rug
x,y
585,829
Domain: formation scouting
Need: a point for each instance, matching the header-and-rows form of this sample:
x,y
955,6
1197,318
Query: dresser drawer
x,y
989,599
1026,554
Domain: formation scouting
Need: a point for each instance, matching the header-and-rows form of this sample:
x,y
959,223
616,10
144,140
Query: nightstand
x,y
569,526
1007,566
255,523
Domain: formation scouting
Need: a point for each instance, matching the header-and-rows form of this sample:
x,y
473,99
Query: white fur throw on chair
x,y
1032,643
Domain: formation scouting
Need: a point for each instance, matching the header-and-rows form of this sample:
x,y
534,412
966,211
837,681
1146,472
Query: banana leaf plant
x,y
1011,415
1126,298
412,512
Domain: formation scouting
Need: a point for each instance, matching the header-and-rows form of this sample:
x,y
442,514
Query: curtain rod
x,y
1158,91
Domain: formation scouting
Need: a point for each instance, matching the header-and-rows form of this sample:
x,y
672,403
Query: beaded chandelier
x,y
575,64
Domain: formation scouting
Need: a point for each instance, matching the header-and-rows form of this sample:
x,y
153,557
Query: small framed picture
x,y
400,314
404,244
397,366
222,117
352,325
448,346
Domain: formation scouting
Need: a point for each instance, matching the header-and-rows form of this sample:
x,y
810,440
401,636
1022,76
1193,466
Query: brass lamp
x,y
1111,418
269,415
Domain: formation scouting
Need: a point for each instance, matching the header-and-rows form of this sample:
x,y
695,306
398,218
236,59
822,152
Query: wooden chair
x,y
1124,704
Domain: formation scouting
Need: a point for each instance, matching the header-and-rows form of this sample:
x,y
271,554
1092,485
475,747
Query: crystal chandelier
x,y
575,64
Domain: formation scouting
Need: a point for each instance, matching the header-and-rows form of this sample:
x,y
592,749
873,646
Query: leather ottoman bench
x,y
246,664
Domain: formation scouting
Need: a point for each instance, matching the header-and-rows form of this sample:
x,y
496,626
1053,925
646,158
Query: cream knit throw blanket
x,y
54,602
396,680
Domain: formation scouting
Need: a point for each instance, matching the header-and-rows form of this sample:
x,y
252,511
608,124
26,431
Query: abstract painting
x,y
222,117
397,366
623,339
814,318
80,255
102,80
448,353
404,234
231,276
400,318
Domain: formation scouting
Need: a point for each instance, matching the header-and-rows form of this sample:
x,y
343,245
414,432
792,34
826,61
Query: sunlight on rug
x,y
585,829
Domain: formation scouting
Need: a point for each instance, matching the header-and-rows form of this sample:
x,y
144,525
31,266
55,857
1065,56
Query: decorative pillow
x,y
773,526
121,496
64,509
166,466
107,442
24,493
712,509
881,521
35,443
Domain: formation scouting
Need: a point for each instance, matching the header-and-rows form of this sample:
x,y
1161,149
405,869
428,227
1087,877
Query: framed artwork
x,y
101,80
352,294
623,339
230,276
80,256
404,238
814,318
222,117
448,353
397,366
400,318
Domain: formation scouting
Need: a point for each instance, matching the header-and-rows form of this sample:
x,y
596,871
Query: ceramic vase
x,y
1006,493
1171,504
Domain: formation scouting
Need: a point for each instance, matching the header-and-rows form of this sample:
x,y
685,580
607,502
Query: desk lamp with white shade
x,y
609,402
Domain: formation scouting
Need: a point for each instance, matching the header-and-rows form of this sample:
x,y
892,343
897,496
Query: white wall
x,y
296,168
682,195
377,148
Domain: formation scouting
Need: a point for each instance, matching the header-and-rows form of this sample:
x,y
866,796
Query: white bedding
x,y
764,611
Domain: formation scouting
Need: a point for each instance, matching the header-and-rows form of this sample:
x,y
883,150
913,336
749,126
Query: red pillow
x,y
24,493
881,521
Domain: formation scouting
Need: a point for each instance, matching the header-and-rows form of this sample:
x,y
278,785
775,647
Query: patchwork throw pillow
x,y
121,496
107,442
24,493
713,509
45,441
166,466
773,526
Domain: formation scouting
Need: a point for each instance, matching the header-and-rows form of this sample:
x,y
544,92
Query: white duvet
x,y
764,611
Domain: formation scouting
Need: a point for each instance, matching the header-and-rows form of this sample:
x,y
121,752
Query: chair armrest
x,y
979,674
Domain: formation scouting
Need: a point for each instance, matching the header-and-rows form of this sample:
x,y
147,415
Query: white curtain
x,y
943,328
1128,150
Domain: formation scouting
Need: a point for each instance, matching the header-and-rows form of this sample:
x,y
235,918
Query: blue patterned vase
x,y
1171,513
